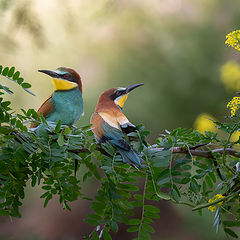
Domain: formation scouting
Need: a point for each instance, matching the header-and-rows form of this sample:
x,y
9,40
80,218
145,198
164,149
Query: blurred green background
x,y
175,47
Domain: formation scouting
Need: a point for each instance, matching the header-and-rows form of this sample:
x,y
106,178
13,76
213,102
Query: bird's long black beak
x,y
50,73
131,87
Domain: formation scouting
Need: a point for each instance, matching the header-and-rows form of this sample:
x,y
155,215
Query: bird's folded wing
x,y
124,123
46,107
115,136
108,127
128,127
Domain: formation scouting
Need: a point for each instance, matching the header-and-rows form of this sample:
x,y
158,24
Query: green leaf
x,y
19,80
212,176
95,236
106,235
134,221
175,195
114,226
231,223
230,232
195,187
67,130
143,235
129,187
44,195
26,85
151,215
47,199
11,71
34,180
209,182
150,208
47,187
148,228
5,71
16,76
5,130
186,167
58,127
60,140
162,161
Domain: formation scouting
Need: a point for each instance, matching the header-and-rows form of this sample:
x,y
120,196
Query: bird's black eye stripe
x,y
67,76
117,94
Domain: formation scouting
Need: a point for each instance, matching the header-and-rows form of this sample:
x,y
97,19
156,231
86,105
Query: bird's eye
x,y
66,76
118,93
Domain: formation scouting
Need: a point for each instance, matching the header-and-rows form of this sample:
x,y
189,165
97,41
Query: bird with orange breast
x,y
65,103
110,124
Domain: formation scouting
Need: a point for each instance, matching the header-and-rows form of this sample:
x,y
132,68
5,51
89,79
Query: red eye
x,y
67,76
118,93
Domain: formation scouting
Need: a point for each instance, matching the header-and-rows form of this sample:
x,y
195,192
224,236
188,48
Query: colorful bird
x,y
110,124
66,103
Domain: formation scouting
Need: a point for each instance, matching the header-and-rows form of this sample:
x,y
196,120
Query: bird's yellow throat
x,y
121,100
61,84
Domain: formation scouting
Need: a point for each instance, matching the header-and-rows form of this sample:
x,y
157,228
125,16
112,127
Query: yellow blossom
x,y
215,198
235,136
233,39
230,76
234,105
212,208
204,123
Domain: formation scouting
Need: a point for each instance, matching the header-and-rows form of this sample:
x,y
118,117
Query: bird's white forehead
x,y
59,71
119,89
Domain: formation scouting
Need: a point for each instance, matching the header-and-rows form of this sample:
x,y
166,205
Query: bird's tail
x,y
131,157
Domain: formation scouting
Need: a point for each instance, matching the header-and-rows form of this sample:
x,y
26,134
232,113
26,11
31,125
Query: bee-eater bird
x,y
65,103
110,124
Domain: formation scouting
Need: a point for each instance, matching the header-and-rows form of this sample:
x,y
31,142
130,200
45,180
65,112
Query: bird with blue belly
x,y
65,103
110,124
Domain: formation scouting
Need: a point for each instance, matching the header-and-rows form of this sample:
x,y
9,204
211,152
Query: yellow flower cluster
x,y
230,76
233,40
215,198
234,105
204,122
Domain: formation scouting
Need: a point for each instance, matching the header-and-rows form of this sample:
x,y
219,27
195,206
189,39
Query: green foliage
x,y
183,166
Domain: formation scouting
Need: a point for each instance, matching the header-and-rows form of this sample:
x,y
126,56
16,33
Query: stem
x,y
143,201
184,203
215,202
162,195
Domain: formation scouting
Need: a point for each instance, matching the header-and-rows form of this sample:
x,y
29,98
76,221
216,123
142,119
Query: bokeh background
x,y
175,47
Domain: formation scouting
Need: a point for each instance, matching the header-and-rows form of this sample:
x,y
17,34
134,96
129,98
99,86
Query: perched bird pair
x,y
108,121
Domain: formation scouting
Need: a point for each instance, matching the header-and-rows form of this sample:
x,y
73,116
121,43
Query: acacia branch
x,y
175,150
85,150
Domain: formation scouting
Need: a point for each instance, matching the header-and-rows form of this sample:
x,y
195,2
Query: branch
x,y
217,201
175,150
202,153
85,150
205,153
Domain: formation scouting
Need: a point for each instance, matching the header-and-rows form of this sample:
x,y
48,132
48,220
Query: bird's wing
x,y
115,136
128,127
46,107
107,128
124,123
97,121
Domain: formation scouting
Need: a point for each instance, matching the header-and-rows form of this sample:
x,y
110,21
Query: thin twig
x,y
215,202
